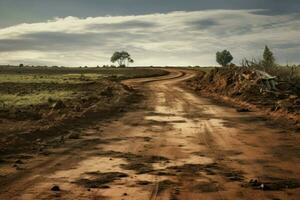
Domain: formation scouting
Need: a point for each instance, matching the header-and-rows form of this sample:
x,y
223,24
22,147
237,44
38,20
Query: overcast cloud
x,y
174,38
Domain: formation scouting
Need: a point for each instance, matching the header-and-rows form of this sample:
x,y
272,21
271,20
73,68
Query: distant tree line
x,y
224,58
267,64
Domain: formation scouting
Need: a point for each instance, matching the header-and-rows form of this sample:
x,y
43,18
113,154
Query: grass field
x,y
46,78
17,101
124,72
29,86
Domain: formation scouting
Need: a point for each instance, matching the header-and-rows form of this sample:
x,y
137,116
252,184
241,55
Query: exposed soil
x,y
30,128
174,144
207,187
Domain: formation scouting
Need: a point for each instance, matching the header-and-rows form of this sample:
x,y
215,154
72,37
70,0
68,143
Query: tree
x,y
224,58
121,57
268,58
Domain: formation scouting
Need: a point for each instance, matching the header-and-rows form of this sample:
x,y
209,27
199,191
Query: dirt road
x,y
175,145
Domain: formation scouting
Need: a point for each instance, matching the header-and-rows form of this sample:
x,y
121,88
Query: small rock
x,y
143,182
254,183
62,139
58,105
77,108
45,153
108,92
19,162
55,188
293,97
125,194
104,187
74,136
242,110
17,167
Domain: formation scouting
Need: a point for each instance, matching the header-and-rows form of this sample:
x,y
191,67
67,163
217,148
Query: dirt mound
x,y
251,86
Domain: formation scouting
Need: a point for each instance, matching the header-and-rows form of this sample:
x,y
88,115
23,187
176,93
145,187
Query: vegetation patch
x,y
19,101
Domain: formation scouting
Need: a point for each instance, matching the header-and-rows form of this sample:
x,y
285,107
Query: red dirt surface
x,y
173,144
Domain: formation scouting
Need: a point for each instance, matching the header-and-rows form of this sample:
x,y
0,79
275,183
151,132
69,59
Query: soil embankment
x,y
250,90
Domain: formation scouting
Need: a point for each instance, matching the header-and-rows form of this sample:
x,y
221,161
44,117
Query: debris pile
x,y
252,86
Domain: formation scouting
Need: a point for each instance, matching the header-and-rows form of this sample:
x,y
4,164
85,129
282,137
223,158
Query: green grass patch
x,y
13,100
22,87
76,75
64,78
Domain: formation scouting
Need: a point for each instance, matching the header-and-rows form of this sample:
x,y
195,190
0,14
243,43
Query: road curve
x,y
176,145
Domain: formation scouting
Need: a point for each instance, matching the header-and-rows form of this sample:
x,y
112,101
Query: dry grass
x,y
29,86
17,101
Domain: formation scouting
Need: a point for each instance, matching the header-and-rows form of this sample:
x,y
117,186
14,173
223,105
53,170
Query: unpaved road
x,y
176,145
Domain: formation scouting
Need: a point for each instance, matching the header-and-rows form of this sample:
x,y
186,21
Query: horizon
x,y
168,34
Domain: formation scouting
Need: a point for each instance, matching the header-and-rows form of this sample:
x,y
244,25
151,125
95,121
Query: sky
x,y
154,32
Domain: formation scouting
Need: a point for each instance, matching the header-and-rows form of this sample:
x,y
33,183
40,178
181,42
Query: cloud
x,y
132,24
176,38
204,23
